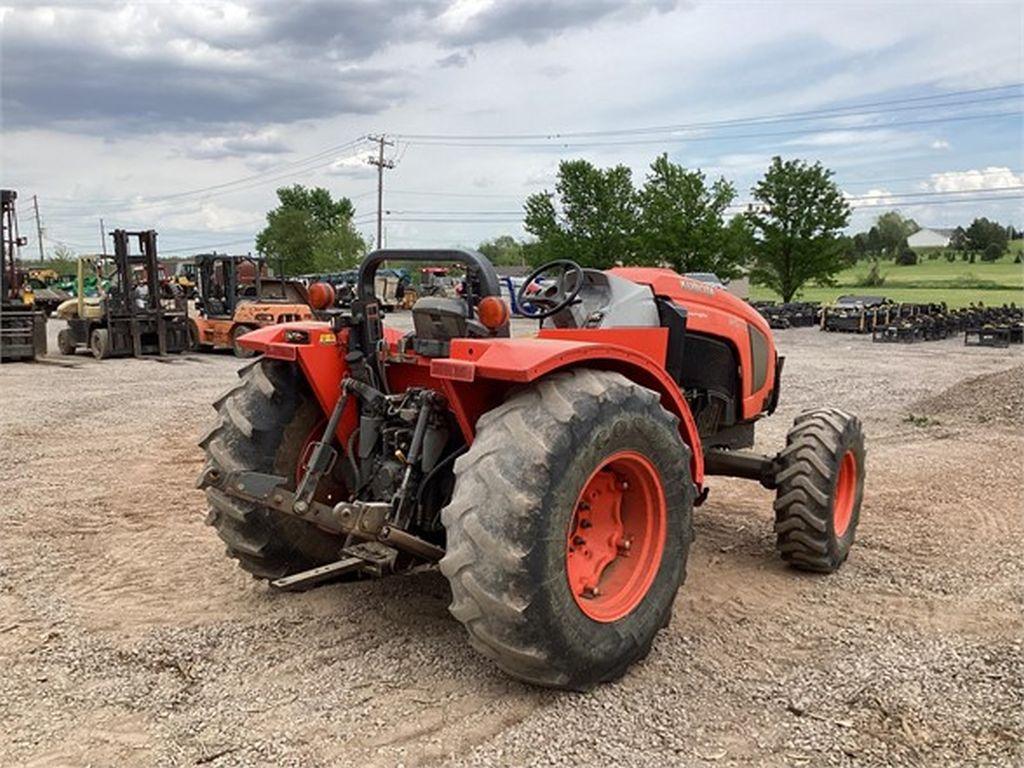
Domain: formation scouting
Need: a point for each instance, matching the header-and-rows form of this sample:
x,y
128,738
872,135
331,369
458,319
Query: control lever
x,y
322,459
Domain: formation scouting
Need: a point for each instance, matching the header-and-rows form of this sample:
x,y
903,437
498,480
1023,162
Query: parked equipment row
x,y
906,323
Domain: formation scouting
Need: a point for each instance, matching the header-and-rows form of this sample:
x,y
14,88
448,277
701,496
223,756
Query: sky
x,y
185,117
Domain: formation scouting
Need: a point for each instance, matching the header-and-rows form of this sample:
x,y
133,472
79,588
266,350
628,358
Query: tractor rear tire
x,y
238,349
515,531
65,345
99,343
263,425
820,487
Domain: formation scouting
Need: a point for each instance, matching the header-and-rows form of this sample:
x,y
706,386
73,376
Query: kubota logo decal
x,y
697,286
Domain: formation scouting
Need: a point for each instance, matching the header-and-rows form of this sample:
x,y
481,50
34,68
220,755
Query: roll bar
x,y
479,270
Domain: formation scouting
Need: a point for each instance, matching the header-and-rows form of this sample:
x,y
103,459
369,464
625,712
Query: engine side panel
x,y
712,311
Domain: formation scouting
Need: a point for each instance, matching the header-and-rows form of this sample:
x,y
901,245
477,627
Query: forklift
x,y
22,325
132,317
236,296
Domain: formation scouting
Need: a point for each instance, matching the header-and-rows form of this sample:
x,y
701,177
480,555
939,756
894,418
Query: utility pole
x,y
381,164
39,227
103,237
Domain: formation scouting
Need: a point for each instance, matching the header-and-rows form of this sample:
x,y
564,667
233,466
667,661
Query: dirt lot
x,y
127,638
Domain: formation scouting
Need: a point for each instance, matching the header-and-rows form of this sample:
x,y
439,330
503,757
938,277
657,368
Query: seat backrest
x,y
440,319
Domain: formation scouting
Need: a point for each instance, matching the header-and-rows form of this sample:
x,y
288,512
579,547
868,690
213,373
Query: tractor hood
x,y
693,294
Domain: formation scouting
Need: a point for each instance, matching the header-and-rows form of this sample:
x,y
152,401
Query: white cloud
x,y
260,143
205,75
969,181
213,217
841,138
354,165
871,197
461,12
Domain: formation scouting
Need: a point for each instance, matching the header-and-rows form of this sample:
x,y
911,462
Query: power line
x,y
453,216
66,243
440,193
450,213
524,195
272,170
919,203
398,214
779,117
915,178
208,246
690,139
278,173
454,221
936,192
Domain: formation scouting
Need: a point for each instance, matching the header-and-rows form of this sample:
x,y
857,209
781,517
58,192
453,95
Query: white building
x,y
930,238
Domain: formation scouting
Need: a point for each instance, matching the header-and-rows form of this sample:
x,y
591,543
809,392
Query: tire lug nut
x,y
591,592
585,524
578,541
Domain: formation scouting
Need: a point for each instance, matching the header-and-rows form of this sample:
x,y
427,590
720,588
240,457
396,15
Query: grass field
x,y
957,283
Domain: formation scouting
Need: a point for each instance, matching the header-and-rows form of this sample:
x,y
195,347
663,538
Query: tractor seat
x,y
436,318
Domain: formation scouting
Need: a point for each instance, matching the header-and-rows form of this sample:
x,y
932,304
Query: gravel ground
x,y
127,638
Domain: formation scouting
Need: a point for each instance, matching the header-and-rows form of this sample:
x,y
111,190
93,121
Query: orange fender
x,y
637,353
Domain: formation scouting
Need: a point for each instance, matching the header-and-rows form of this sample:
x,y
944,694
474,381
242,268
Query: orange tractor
x,y
553,477
235,296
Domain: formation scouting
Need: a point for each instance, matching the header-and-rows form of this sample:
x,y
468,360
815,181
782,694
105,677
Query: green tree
x,y
860,246
985,237
848,249
874,243
62,260
798,216
992,252
907,256
682,222
591,218
309,231
893,231
503,250
739,244
958,243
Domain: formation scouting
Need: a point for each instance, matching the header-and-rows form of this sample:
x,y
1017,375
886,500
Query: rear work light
x,y
321,295
493,312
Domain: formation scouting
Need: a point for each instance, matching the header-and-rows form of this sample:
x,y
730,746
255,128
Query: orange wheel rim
x,y
846,493
616,537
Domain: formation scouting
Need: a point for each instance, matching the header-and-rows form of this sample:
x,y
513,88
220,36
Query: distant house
x,y
930,238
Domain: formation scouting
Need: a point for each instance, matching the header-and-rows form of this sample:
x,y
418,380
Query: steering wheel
x,y
551,298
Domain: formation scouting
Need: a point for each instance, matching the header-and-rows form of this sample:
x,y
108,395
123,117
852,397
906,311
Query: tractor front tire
x,y
569,528
99,343
819,490
264,425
